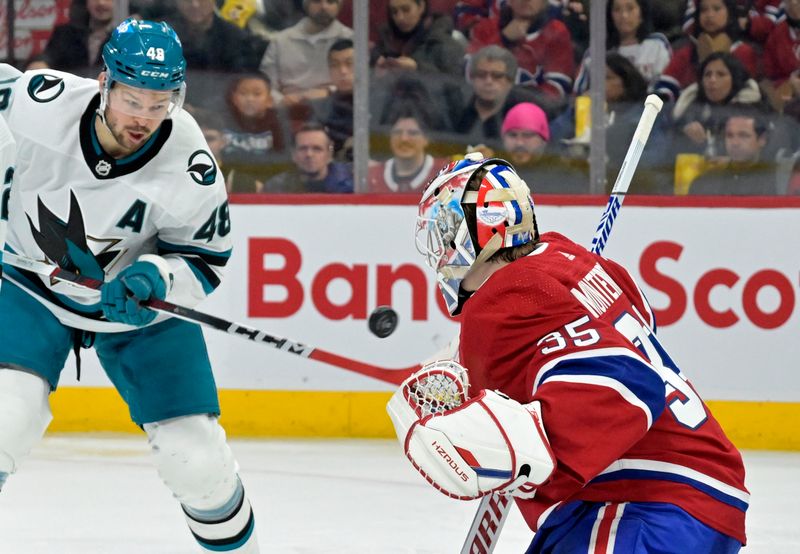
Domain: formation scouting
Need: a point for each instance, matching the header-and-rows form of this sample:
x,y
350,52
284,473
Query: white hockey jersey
x,y
8,152
72,204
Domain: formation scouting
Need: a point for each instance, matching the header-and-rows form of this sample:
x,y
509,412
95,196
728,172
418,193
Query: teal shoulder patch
x,y
202,168
45,88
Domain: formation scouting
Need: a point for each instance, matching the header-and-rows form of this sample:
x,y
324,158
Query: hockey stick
x,y
652,105
389,375
494,509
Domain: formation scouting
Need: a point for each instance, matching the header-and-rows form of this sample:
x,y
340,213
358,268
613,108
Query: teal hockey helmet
x,y
146,55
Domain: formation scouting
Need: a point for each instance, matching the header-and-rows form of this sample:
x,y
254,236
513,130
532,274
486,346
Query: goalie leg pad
x,y
489,444
24,416
196,463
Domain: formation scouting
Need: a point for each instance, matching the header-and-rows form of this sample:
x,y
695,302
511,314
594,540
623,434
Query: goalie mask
x,y
503,218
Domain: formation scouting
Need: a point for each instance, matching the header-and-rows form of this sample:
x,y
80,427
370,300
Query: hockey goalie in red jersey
x,y
570,403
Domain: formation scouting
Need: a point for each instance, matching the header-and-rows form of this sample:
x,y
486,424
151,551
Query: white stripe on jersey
x,y
589,353
610,383
545,514
612,534
675,469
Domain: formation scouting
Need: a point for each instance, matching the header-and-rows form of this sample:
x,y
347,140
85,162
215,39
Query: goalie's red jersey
x,y
572,329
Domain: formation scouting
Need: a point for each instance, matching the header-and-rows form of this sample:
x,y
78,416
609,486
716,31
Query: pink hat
x,y
529,117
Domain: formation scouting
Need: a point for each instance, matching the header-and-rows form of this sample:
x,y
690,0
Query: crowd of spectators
x,y
271,85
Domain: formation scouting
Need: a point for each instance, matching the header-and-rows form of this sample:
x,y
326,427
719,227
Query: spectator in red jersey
x,y
541,45
756,18
468,13
716,29
410,167
703,107
78,44
415,39
781,61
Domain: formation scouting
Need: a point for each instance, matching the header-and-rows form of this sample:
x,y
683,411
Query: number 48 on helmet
x,y
146,55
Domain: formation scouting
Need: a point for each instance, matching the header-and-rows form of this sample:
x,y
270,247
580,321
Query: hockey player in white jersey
x,y
116,182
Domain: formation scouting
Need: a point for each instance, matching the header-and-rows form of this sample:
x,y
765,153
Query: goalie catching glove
x,y
469,448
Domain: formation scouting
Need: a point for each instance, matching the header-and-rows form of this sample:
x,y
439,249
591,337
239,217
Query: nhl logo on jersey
x,y
103,168
202,168
45,88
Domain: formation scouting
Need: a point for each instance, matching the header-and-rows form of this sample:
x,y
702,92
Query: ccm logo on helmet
x,y
158,74
450,461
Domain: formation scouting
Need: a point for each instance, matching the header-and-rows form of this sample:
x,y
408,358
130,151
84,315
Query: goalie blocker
x,y
469,448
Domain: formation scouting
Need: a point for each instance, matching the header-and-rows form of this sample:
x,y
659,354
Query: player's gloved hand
x,y
490,443
121,297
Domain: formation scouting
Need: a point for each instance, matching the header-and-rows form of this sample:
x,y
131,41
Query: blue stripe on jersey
x,y
203,273
653,475
637,527
211,257
642,381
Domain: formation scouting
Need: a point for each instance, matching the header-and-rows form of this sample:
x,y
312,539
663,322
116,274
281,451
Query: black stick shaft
x,y
389,375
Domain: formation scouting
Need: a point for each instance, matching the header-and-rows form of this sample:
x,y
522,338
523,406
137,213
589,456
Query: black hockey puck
x,y
382,321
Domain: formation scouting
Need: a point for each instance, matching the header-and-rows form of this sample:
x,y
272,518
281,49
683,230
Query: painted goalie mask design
x,y
503,218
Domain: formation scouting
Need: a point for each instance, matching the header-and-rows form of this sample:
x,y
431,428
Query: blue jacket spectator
x,y
315,170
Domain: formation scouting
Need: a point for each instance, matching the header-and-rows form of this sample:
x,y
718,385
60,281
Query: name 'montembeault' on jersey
x,y
72,204
572,330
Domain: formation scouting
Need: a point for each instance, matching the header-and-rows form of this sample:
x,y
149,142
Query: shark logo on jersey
x,y
65,243
44,88
202,168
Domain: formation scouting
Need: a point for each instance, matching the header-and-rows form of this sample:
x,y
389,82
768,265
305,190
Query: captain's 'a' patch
x,y
202,168
45,88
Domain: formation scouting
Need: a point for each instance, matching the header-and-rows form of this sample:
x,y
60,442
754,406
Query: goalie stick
x,y
390,375
494,508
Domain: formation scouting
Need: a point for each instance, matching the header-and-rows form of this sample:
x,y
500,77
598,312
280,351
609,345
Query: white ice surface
x,y
100,495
